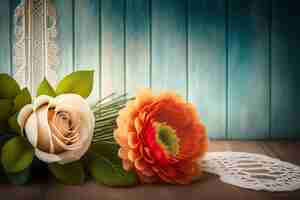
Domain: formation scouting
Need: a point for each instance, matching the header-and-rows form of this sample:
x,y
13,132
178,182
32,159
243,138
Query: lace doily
x,y
252,171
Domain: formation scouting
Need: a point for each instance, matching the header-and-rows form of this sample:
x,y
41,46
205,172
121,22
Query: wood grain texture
x,y
5,49
169,45
285,69
112,47
137,45
207,63
87,42
245,53
203,189
248,69
64,10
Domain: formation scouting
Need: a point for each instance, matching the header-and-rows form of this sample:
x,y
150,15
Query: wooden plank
x,y
285,69
169,45
203,189
207,63
248,69
262,148
5,50
64,10
199,190
218,145
137,46
86,45
112,47
286,151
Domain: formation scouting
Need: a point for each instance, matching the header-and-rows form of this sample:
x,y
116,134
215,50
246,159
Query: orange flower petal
x,y
132,133
123,153
127,165
120,138
138,125
143,98
133,140
143,168
147,179
133,155
140,164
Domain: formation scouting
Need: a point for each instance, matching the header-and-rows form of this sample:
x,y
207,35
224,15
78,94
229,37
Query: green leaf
x,y
13,124
106,167
71,173
19,178
22,99
9,87
4,127
79,82
45,89
17,155
6,107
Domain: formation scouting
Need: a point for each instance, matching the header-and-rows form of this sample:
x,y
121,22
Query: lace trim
x,y
253,171
29,73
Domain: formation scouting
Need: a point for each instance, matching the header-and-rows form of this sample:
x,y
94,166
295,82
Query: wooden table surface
x,y
208,188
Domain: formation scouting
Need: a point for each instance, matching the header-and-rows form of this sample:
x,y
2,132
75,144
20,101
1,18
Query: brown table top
x,y
208,188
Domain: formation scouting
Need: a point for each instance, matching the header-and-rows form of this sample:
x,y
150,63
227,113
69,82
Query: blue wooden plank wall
x,y
238,61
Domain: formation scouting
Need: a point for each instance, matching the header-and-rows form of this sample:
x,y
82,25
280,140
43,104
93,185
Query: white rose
x,y
60,129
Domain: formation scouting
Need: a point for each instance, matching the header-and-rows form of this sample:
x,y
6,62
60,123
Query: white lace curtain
x,y
35,47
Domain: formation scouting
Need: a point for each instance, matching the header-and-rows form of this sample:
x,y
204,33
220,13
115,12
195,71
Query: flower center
x,y
64,120
166,137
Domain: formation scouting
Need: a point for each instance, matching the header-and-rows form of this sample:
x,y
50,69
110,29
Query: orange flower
x,y
161,138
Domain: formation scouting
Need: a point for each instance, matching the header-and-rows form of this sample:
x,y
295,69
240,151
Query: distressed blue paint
x,y
112,46
248,69
285,69
207,63
169,45
64,10
5,49
137,45
86,46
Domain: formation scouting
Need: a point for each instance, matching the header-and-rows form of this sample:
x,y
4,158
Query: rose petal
x,y
45,142
70,139
77,102
40,101
61,146
31,128
59,139
47,157
70,156
24,114
70,102
86,129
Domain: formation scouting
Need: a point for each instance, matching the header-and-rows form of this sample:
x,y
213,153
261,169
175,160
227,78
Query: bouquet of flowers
x,y
119,141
